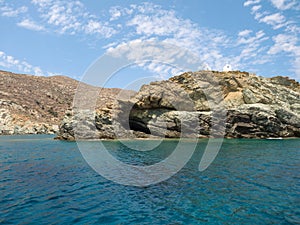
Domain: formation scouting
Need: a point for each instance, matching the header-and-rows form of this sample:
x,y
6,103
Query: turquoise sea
x,y
44,181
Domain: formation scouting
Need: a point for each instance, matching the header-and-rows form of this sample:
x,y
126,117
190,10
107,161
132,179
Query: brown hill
x,y
35,104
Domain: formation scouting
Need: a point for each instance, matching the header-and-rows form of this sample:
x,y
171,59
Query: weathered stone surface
x,y
249,97
200,104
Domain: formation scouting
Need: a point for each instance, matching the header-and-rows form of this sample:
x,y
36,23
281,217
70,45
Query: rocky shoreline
x,y
201,104
194,105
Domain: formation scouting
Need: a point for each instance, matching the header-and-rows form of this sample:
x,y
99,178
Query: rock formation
x,y
195,104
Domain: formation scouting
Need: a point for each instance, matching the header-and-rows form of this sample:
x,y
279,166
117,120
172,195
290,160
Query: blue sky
x,y
47,37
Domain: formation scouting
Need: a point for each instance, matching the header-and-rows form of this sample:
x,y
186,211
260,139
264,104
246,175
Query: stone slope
x,y
35,104
196,104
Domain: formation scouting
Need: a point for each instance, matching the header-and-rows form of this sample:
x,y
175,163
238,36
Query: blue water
x,y
44,181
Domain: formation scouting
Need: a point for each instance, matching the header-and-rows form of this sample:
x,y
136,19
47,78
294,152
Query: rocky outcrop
x,y
200,104
37,105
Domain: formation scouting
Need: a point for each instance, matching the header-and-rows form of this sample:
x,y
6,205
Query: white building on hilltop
x,y
227,68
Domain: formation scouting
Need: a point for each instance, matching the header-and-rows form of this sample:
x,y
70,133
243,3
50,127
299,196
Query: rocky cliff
x,y
37,105
195,104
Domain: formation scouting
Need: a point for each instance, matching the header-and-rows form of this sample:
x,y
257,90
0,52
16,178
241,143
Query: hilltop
x,y
36,104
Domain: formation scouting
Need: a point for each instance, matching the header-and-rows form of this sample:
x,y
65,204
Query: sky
x,y
61,37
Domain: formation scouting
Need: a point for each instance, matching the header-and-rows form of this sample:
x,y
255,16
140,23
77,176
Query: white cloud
x,y
9,62
287,43
251,2
284,42
244,33
284,4
258,15
255,8
30,25
71,17
11,12
150,20
251,45
159,57
244,39
115,13
212,46
164,24
37,71
95,27
146,21
276,20
292,28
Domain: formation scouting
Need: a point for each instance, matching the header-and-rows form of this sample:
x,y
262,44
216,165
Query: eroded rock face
x,y
200,104
259,121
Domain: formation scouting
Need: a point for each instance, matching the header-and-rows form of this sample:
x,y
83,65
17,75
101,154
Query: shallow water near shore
x,y
45,181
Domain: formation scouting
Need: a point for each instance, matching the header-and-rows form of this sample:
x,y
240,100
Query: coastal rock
x,y
197,104
249,97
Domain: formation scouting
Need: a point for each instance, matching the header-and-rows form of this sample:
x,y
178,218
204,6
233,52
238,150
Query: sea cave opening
x,y
137,125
